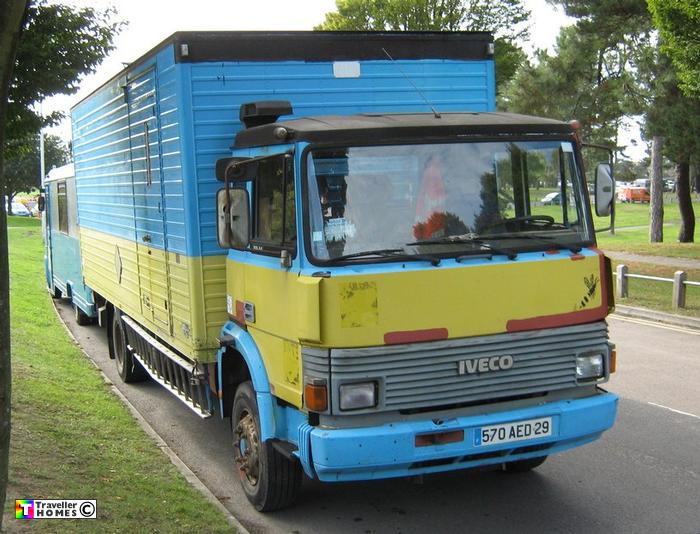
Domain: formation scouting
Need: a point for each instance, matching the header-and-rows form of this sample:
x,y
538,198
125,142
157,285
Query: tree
x,y
592,75
678,22
656,203
10,29
58,43
676,117
23,167
508,19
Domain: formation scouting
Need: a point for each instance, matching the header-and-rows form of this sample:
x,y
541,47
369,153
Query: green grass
x,y
638,215
24,222
657,295
637,242
71,436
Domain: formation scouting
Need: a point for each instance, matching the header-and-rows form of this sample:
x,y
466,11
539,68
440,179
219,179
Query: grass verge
x,y
657,295
71,437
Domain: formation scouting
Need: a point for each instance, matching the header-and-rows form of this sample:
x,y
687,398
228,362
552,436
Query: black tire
x,y
128,368
55,292
523,466
269,479
81,317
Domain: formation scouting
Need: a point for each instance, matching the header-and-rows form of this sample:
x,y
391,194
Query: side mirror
x,y
41,203
604,189
236,169
233,218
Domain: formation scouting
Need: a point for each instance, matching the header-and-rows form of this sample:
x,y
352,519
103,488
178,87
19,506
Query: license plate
x,y
510,432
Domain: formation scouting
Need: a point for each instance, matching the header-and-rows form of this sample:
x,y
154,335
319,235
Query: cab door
x,y
263,288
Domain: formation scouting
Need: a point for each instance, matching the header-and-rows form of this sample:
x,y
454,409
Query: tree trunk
x,y
685,204
11,24
656,204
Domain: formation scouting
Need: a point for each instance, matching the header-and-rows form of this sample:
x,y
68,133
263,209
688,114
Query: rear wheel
x,y
55,292
128,368
82,318
269,479
523,466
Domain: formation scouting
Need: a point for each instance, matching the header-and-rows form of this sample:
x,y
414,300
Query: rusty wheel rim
x,y
247,448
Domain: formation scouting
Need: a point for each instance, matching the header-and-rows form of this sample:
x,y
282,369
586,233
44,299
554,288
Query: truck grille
x,y
424,375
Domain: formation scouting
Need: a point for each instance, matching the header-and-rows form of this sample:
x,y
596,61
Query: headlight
x,y
358,396
589,366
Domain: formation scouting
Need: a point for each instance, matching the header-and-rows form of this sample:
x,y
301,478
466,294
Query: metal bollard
x,y
679,278
622,281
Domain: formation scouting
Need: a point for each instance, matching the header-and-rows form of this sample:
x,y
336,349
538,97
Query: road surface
x,y
642,476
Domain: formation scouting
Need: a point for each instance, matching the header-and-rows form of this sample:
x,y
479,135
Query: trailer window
x,y
274,223
62,201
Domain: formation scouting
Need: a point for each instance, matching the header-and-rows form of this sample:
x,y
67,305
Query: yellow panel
x,y
286,311
186,296
465,301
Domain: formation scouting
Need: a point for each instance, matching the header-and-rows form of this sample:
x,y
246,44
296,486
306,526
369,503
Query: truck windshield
x,y
370,203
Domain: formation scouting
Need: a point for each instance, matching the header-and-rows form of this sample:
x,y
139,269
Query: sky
x,y
151,21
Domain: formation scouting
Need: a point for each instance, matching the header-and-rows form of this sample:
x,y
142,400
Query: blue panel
x,y
375,452
67,272
63,261
191,111
218,90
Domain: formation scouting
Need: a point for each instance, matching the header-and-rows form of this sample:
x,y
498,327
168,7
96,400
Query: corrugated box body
x,y
145,145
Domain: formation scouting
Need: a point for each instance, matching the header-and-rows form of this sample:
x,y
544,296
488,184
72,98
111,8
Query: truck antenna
x,y
427,102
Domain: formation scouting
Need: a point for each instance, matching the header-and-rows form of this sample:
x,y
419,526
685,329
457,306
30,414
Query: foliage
x,y
592,76
678,22
676,117
22,162
628,170
673,114
59,44
508,19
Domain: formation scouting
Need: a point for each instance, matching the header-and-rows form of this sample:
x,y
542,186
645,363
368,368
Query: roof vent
x,y
264,112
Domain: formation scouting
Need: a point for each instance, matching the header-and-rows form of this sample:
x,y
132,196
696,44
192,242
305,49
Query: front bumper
x,y
389,450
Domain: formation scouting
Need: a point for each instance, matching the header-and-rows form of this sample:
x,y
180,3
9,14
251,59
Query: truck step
x,y
179,376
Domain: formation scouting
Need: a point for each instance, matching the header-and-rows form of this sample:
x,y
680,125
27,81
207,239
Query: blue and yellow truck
x,y
334,240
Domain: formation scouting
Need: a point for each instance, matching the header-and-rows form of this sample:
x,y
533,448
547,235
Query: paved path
x,y
682,263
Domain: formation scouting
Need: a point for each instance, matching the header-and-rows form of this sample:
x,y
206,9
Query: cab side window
x,y
274,224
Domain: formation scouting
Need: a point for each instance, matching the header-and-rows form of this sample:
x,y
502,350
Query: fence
x,y
680,282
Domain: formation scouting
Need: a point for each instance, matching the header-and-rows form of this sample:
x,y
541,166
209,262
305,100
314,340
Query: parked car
x,y
553,198
20,210
670,185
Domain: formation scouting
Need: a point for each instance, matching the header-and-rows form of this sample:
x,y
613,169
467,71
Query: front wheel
x,y
523,466
269,479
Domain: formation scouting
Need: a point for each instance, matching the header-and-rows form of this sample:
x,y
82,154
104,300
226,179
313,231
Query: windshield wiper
x,y
548,240
468,239
394,253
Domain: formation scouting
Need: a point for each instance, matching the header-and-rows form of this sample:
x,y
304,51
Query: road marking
x,y
655,324
674,411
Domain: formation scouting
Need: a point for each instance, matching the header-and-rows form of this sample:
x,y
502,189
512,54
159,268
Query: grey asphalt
x,y
642,476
